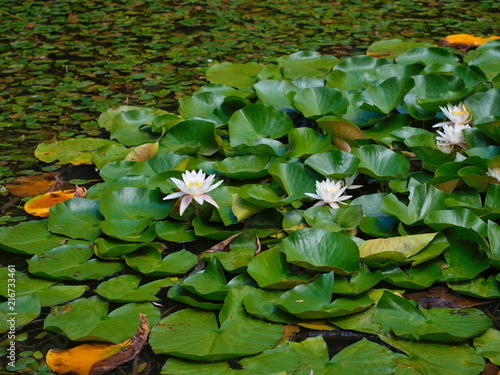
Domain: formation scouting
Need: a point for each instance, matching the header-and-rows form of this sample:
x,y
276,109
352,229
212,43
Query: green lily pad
x,y
306,141
378,161
321,250
133,230
357,283
240,76
175,231
148,261
478,287
391,48
76,218
270,269
200,105
274,361
180,294
419,277
295,178
487,344
435,324
263,304
126,288
19,312
210,283
435,358
71,262
333,164
306,64
134,203
363,354
261,195
275,92
72,151
49,292
133,127
31,237
387,95
257,121
194,136
197,335
315,102
87,319
244,167
111,248
314,300
426,56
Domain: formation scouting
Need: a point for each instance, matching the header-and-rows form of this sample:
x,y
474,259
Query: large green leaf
x,y
134,203
257,121
194,136
387,95
76,218
478,287
126,288
87,319
379,161
133,127
306,64
148,261
336,163
321,250
274,361
49,292
73,151
244,167
307,141
271,270
461,217
435,358
295,178
275,92
200,105
19,312
314,300
401,317
263,304
235,75
426,55
488,343
210,283
320,101
197,335
31,237
71,262
485,60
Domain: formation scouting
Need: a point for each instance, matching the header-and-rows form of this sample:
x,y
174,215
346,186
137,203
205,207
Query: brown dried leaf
x,y
221,246
31,186
441,296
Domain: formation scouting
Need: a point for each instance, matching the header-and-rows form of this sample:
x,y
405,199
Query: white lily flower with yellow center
x,y
331,191
494,172
452,136
194,185
457,114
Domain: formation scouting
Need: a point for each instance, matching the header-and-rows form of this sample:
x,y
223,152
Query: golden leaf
x,y
98,358
465,40
143,152
40,205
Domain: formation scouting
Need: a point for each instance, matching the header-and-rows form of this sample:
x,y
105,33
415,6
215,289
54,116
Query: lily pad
x,y
19,312
148,261
126,288
72,151
76,218
71,262
321,250
87,319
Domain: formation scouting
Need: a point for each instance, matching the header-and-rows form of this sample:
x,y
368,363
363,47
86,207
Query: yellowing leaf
x,y
143,152
98,358
406,246
465,40
40,205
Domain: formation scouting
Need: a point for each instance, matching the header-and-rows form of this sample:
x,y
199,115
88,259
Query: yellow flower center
x,y
459,113
197,183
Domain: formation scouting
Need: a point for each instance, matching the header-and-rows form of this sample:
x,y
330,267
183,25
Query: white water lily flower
x,y
452,136
494,172
330,192
195,185
457,114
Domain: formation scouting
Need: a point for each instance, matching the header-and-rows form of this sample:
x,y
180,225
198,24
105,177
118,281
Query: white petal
x,y
199,198
174,195
214,186
315,196
185,201
210,200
